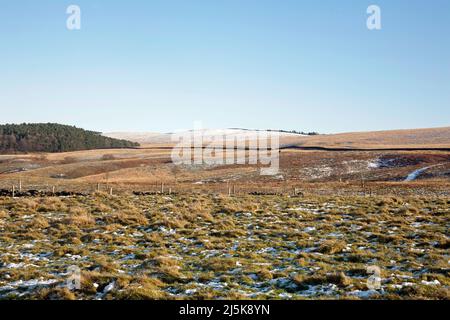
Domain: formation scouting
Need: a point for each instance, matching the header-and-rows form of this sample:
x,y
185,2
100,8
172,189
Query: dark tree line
x,y
52,137
313,133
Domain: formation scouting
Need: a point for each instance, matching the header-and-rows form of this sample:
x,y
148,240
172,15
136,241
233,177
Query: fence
x,y
21,188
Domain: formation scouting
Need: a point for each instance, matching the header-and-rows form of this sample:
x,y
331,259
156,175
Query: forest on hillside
x,y
52,137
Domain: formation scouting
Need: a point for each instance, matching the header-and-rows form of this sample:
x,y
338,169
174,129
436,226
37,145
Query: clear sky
x,y
160,65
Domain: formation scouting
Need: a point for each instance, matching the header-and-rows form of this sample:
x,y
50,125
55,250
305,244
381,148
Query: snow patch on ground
x,y
27,285
415,174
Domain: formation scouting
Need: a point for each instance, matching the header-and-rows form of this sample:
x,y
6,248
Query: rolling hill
x,y
411,138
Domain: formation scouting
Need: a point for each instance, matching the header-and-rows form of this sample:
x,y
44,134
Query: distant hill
x,y
409,138
52,137
166,138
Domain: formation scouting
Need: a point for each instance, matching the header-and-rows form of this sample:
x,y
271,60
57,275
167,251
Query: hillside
x,y
152,138
52,137
412,138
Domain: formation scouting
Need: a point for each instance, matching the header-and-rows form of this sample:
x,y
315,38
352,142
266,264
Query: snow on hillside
x,y
152,137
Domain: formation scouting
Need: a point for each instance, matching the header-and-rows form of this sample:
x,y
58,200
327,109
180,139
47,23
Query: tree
x,y
52,137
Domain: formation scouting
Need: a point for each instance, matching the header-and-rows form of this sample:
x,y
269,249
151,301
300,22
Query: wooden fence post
x,y
20,185
111,191
13,191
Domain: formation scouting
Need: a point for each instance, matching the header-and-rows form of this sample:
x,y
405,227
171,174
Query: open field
x,y
145,170
152,164
209,246
225,231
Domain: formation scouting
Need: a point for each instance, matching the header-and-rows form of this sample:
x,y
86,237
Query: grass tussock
x,y
332,246
79,217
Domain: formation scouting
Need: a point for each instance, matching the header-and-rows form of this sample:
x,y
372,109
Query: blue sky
x,y
161,65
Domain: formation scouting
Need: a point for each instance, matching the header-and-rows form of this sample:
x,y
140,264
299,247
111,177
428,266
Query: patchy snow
x,y
14,265
329,289
381,163
109,287
415,174
207,134
356,166
29,284
216,285
167,231
284,295
320,171
373,165
190,291
431,283
129,257
335,235
363,294
267,250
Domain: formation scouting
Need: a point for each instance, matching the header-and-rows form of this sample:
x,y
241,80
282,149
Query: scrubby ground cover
x,y
210,246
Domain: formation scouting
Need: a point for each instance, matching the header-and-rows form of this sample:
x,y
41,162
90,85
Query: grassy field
x,y
209,232
209,246
144,169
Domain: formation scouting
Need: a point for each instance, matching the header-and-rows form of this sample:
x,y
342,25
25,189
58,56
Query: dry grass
x,y
80,217
210,246
420,138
